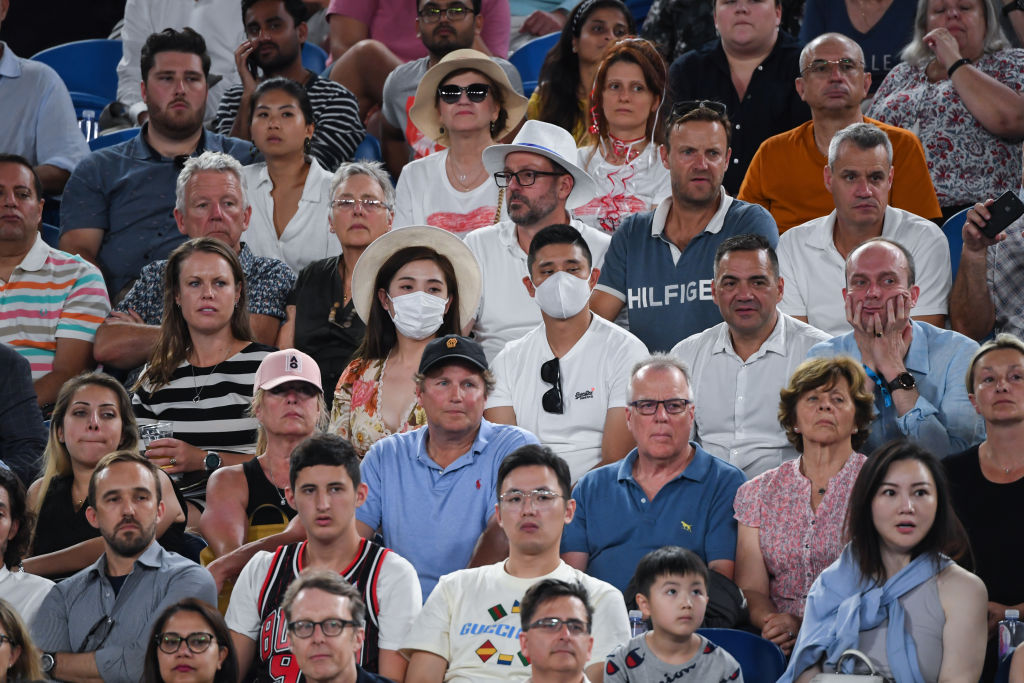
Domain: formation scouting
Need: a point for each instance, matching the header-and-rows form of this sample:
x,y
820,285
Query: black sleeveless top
x,y
263,493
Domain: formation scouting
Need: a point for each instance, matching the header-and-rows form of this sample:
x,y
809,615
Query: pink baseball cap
x,y
287,365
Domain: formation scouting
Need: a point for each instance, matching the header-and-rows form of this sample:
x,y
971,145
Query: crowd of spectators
x,y
709,324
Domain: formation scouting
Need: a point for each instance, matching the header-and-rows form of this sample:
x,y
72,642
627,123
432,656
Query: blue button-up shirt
x,y
943,419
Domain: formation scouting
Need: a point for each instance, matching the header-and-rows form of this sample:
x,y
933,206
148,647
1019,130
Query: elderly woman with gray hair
x,y
959,88
322,320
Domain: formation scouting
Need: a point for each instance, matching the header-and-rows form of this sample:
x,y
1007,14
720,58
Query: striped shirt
x,y
209,406
338,132
51,294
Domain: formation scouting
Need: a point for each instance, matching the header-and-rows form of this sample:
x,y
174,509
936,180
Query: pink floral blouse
x,y
797,542
355,414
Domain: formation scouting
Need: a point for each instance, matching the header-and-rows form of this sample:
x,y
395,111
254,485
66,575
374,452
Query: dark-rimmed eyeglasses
x,y
673,406
432,15
554,625
541,498
304,388
551,373
525,178
821,67
476,92
366,205
7,639
684,107
197,642
330,627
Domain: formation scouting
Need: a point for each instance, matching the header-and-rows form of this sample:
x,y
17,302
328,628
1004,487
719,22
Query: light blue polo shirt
x,y
429,515
616,525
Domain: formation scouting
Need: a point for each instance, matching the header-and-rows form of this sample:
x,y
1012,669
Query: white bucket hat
x,y
554,143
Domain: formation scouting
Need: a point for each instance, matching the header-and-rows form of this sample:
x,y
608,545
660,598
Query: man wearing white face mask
x,y
566,379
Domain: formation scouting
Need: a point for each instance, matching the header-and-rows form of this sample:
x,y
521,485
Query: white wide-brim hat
x,y
467,270
424,112
553,142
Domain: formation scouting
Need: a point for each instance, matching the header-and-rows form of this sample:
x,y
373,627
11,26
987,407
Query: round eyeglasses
x,y
197,642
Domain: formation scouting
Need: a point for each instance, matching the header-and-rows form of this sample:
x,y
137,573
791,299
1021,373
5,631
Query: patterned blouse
x,y
356,411
797,543
967,163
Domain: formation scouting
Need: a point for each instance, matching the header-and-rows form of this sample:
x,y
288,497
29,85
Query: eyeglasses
x,y
329,627
541,498
432,15
554,625
197,642
305,388
551,373
525,178
820,67
673,406
367,205
7,639
684,107
476,92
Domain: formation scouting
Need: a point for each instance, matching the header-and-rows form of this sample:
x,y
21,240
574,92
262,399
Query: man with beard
x,y
541,180
118,206
94,626
660,264
444,26
275,31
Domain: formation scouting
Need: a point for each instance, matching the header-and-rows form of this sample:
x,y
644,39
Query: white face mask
x,y
418,314
563,295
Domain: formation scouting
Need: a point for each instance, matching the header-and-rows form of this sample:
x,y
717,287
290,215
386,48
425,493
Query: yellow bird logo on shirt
x,y
686,526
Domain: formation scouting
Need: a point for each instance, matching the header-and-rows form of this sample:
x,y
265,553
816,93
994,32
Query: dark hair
x,y
535,454
700,113
296,8
496,93
747,242
631,51
175,340
559,233
826,372
228,672
475,3
169,40
327,581
946,535
911,268
287,86
324,449
17,547
111,459
560,74
381,335
549,589
669,559
37,184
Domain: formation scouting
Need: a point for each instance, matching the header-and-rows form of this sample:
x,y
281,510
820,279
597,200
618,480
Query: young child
x,y
672,591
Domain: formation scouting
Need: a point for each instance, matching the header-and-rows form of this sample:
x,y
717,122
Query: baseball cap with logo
x,y
287,365
452,347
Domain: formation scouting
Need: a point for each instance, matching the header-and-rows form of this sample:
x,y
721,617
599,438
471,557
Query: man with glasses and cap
x,y
431,490
542,183
660,265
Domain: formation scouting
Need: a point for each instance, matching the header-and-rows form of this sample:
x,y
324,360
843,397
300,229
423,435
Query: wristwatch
x,y
48,661
904,380
1013,6
212,460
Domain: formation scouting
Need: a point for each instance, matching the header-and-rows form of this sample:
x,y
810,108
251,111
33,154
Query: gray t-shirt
x,y
634,662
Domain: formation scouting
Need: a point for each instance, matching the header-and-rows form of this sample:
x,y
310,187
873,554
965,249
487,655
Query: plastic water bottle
x,y
1011,632
89,126
637,625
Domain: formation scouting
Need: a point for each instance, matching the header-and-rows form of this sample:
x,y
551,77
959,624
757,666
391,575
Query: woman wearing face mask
x,y
409,286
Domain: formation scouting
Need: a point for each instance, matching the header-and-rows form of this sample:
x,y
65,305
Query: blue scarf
x,y
842,603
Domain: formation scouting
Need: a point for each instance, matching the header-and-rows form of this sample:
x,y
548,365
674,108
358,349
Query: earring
x,y
440,130
307,146
493,127
594,130
796,429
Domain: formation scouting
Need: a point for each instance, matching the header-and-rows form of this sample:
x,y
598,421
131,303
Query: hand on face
x,y
883,337
944,45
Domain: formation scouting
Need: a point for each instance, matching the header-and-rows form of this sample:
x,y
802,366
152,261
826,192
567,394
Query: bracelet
x,y
956,65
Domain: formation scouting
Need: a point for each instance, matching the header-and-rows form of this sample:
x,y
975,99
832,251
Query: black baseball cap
x,y
452,347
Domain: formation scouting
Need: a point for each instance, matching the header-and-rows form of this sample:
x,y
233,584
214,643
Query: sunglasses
x,y
551,373
684,107
476,92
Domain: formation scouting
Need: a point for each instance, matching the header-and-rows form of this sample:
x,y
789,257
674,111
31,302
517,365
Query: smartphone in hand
x,y
1004,211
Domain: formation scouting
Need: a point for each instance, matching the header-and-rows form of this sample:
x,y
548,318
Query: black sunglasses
x,y
551,373
476,92
684,107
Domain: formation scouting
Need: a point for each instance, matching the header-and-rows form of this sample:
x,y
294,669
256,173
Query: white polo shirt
x,y
595,377
507,311
737,401
814,271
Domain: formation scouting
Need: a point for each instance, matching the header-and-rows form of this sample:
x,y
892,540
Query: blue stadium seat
x,y
953,229
368,150
761,660
88,67
112,138
51,234
529,58
314,57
